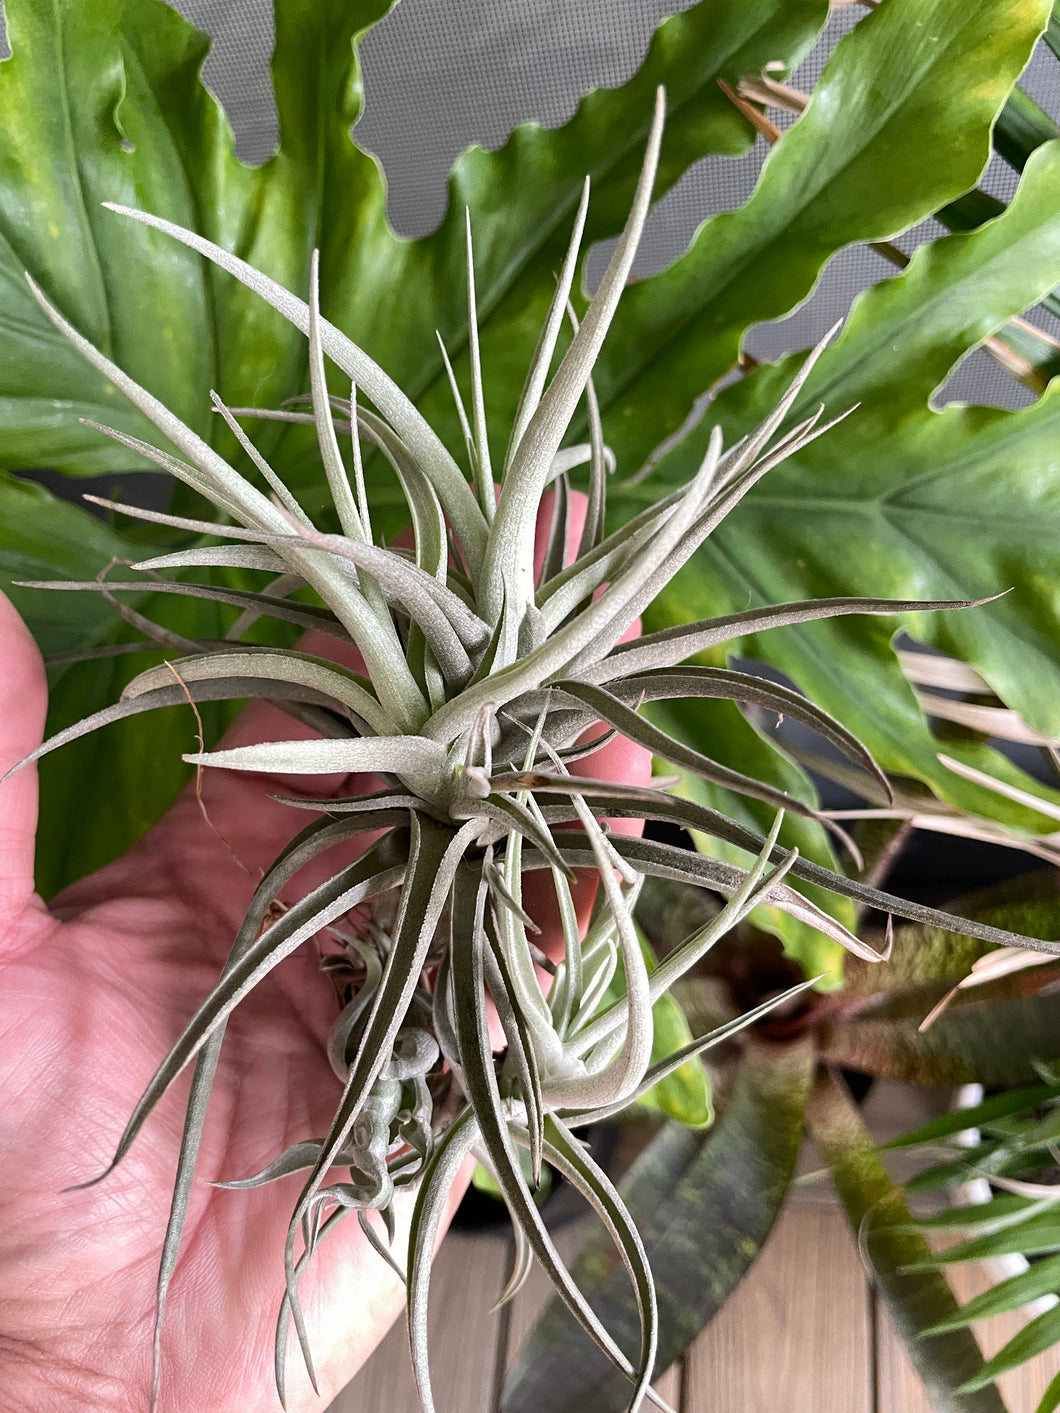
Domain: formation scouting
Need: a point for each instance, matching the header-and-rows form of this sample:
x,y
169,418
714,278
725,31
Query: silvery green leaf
x,y
626,1069
378,1246
568,458
481,1083
558,652
292,1160
482,467
285,1313
303,614
316,837
556,545
511,933
428,603
272,480
564,593
159,635
434,605
598,971
596,505
613,546
522,1265
215,474
359,804
435,854
444,474
655,1074
301,921
717,511
692,950
541,361
666,861
176,694
421,762
224,556
508,564
510,814
723,682
328,681
635,728
522,1055
449,1155
458,401
578,1166
671,646
428,519
165,461
327,441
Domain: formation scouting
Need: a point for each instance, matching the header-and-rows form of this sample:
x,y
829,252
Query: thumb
x,y
23,702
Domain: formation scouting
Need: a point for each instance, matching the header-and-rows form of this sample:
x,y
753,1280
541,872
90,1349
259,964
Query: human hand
x,y
93,991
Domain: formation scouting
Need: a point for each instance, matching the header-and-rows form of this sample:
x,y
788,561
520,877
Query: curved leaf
x,y
704,1204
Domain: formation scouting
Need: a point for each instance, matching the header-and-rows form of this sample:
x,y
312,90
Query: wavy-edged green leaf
x,y
880,1221
912,76
521,241
1022,126
901,500
704,1204
132,122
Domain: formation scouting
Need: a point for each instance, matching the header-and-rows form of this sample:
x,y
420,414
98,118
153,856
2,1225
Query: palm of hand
x,y
88,1006
93,992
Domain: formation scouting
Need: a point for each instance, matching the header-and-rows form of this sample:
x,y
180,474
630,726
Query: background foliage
x,y
874,510
904,499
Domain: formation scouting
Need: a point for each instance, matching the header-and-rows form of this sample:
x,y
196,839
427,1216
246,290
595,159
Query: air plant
x,y
485,682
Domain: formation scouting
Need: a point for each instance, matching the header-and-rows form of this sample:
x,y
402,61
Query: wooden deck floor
x,y
802,1334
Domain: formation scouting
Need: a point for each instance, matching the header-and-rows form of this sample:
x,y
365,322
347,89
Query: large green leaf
x,y
103,103
881,1223
916,76
704,1205
134,124
903,500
